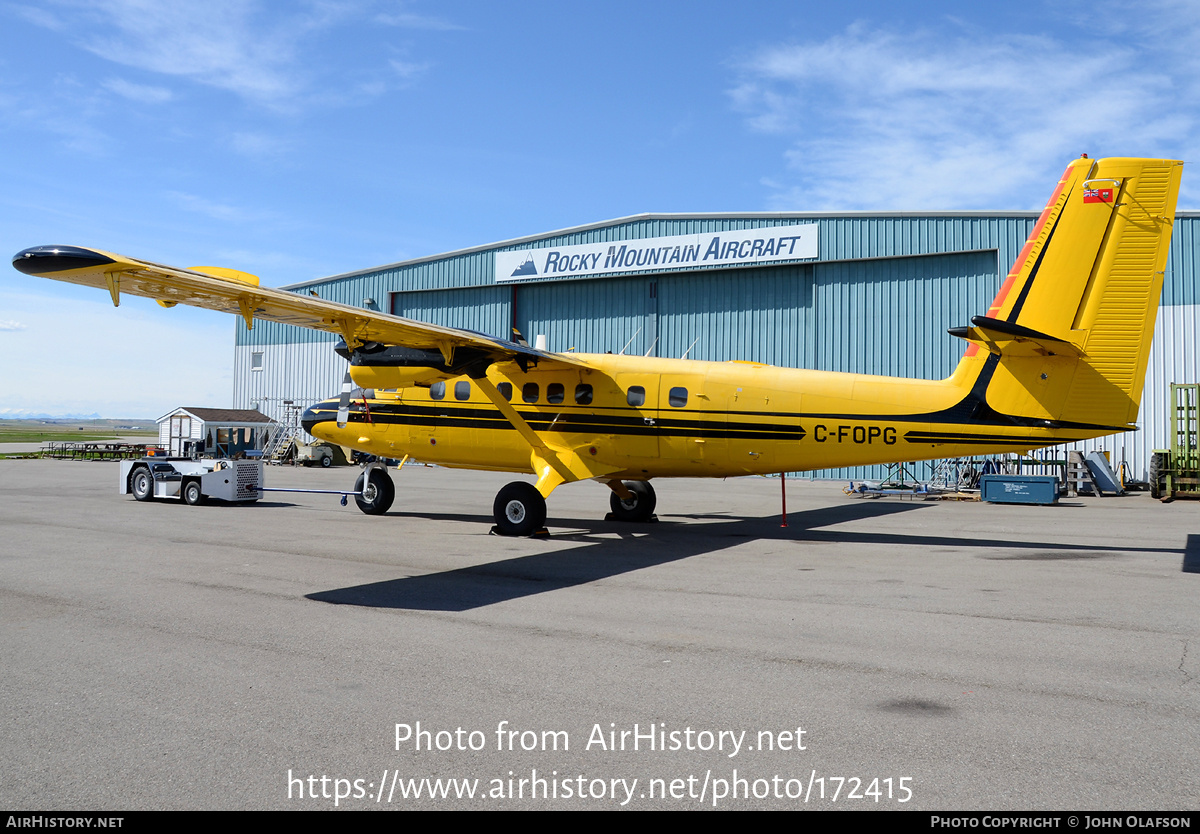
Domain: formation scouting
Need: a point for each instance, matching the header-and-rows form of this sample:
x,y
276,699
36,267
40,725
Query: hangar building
x,y
868,293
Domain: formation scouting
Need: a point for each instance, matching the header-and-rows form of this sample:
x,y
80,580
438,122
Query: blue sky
x,y
299,140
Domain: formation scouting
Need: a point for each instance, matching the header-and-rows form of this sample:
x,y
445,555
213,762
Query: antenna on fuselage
x,y
652,344
621,352
689,350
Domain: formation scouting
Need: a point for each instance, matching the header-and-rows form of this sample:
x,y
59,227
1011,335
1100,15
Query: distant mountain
x,y
25,414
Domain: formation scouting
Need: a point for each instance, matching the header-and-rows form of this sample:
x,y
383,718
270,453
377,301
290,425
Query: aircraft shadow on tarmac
x,y
463,589
1191,554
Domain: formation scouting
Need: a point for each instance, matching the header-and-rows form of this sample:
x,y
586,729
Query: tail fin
x,y
1070,329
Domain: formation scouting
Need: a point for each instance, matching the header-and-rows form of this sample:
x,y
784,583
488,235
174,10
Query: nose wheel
x,y
520,510
376,491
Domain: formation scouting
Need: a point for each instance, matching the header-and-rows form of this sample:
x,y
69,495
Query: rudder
x,y
1072,324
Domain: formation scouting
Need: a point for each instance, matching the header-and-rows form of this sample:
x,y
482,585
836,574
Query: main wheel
x,y
192,494
376,491
141,484
640,507
519,509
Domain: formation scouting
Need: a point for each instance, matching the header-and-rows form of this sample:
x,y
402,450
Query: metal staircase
x,y
282,445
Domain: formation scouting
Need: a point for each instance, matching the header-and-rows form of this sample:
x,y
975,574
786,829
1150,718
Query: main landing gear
x,y
519,509
638,506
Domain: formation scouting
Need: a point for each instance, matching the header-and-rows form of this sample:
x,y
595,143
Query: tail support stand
x,y
783,497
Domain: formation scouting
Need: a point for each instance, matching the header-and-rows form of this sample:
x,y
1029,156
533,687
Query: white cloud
x,y
413,20
217,211
11,325
256,144
260,52
219,43
407,69
946,120
141,93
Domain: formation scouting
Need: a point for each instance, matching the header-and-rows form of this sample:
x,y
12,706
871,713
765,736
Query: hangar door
x,y
752,314
590,316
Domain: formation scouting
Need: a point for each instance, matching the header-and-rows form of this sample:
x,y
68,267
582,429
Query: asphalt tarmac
x,y
295,653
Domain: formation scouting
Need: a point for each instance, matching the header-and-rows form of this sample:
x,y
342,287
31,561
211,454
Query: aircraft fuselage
x,y
646,417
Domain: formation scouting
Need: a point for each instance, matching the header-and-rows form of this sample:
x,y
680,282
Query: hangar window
x,y
583,394
462,390
677,398
256,360
437,391
505,389
555,393
530,392
636,395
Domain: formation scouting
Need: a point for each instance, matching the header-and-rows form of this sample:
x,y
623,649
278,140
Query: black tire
x,y
520,510
1158,475
377,492
641,508
326,461
141,483
192,494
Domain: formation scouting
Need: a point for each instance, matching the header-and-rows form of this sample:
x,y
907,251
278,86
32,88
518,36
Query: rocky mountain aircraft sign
x,y
677,252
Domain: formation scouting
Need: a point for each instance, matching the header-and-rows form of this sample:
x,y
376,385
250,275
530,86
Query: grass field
x,y
41,431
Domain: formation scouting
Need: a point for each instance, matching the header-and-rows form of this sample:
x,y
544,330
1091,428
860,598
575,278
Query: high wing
x,y
230,291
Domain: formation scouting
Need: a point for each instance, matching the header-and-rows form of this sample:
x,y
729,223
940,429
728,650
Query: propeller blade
x,y
343,416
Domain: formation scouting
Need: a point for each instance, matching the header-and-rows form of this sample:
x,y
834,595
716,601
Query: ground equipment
x,y
193,481
1175,472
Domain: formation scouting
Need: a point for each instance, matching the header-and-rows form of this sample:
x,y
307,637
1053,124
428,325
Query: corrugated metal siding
x,y
752,314
590,316
305,373
482,309
890,316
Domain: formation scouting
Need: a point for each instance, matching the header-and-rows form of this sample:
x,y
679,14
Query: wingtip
x,y
41,260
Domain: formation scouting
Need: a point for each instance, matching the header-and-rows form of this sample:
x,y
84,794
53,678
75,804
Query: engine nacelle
x,y
394,376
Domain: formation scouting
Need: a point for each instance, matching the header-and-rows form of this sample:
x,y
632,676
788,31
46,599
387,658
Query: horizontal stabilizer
x,y
1008,339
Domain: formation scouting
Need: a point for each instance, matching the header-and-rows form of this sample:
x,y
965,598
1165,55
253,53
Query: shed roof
x,y
226,416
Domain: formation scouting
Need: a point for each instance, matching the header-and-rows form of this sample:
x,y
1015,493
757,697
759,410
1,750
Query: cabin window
x,y
636,395
505,389
462,390
583,394
555,393
530,392
677,397
437,391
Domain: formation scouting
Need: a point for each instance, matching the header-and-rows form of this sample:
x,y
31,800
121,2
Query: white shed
x,y
222,432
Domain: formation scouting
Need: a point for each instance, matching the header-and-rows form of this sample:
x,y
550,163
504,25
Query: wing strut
x,y
552,464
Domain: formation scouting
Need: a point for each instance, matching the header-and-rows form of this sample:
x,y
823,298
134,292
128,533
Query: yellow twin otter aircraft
x,y
1060,356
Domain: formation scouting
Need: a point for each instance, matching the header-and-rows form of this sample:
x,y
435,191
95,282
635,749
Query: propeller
x,y
343,415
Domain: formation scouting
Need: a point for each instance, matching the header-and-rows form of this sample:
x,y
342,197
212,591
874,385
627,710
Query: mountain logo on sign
x,y
526,268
